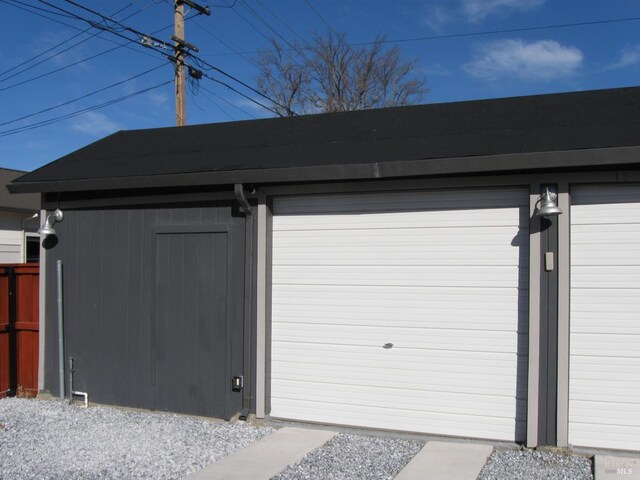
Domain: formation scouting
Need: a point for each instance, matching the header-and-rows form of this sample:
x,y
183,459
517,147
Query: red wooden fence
x,y
19,327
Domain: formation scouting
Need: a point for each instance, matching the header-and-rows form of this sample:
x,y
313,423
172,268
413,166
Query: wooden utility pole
x,y
181,100
181,46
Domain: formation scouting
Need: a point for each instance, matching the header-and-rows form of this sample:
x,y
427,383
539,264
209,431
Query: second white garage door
x,y
403,311
604,382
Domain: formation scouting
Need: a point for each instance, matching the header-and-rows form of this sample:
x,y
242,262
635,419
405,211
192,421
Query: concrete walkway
x,y
269,456
453,461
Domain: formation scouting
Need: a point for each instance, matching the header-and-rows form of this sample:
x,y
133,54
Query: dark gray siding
x,y
153,302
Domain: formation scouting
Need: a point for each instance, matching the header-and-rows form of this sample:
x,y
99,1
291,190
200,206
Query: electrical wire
x,y
41,9
64,42
38,77
68,102
157,48
244,57
286,25
67,116
265,23
195,92
228,102
206,75
320,17
105,18
206,65
468,34
84,30
225,6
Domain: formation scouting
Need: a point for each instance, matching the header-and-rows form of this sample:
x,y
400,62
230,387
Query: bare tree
x,y
330,75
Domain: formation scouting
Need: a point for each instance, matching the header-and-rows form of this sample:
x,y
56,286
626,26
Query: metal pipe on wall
x,y
60,329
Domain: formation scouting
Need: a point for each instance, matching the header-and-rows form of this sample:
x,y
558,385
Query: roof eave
x,y
512,162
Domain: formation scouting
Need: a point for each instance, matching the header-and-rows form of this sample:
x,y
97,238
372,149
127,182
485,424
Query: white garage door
x,y
404,311
604,381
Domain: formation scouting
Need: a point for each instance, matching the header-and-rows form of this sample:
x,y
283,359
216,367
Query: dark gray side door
x,y
190,337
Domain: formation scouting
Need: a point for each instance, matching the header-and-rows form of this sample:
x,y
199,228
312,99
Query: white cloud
x,y
629,56
537,61
95,123
436,70
436,17
158,99
477,10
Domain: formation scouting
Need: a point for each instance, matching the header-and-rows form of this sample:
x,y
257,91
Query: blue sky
x,y
514,60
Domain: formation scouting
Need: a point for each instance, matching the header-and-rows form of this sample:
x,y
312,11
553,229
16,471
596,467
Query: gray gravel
x,y
354,457
50,440
53,440
528,464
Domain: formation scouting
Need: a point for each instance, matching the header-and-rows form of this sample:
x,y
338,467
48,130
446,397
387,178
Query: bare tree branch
x,y
335,76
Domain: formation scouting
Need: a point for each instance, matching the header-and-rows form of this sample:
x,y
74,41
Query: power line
x,y
110,28
203,63
320,16
468,34
241,94
81,31
227,102
82,97
33,79
286,25
225,6
105,18
244,57
510,30
265,22
69,39
41,9
196,90
67,116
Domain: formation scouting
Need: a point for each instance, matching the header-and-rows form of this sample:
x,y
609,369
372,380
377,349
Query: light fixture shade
x,y
46,230
548,204
52,218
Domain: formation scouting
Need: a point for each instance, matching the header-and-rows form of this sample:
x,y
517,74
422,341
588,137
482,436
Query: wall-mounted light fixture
x,y
52,219
548,204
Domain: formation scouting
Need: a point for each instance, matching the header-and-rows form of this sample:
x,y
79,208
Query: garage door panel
x,y
297,236
625,255
604,278
373,396
417,275
393,201
348,355
404,318
604,380
454,340
406,420
391,256
444,281
605,344
621,214
414,382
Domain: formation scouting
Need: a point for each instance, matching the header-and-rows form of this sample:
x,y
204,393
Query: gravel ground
x,y
50,440
54,440
528,464
349,457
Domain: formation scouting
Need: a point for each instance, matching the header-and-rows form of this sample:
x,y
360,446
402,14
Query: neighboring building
x,y
383,269
19,242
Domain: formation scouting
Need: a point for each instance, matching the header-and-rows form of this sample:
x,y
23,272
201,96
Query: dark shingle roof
x,y
474,135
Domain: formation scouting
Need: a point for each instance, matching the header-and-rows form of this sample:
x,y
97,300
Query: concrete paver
x,y
453,461
609,467
267,457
